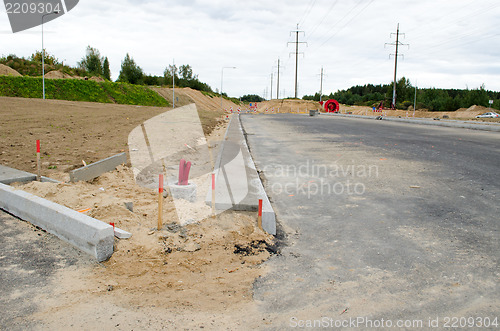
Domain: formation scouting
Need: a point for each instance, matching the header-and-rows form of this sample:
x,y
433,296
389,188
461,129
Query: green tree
x,y
186,72
92,62
251,98
169,73
48,59
105,69
130,72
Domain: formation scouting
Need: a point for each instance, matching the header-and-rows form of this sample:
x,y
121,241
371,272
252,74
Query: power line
x,y
296,42
346,24
311,5
327,14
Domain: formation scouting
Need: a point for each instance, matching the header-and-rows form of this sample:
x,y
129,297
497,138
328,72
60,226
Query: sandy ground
x,y
198,275
163,277
303,106
205,102
459,114
286,106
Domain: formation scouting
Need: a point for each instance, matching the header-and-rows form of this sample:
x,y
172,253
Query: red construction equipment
x,y
331,106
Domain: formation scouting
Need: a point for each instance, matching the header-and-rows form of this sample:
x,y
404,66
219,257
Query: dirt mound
x,y
57,74
8,71
287,106
186,95
460,114
97,79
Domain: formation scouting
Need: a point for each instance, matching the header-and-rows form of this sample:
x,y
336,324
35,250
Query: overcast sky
x,y
452,43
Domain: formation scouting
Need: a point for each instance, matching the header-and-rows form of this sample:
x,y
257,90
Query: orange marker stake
x,y
160,203
259,219
38,165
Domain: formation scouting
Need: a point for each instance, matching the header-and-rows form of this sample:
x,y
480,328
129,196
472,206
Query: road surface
x,y
381,221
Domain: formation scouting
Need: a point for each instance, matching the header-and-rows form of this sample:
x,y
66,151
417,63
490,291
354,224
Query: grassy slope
x,y
80,90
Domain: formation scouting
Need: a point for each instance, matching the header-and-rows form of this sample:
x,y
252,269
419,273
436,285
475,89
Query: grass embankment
x,y
80,90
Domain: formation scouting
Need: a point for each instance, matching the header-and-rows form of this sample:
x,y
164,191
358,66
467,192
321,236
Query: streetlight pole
x,y
173,84
221,81
43,54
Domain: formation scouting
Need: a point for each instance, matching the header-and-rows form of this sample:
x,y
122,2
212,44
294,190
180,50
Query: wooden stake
x,y
38,165
259,219
160,203
213,195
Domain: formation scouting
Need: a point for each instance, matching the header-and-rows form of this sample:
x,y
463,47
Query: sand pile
x,y
187,95
211,263
57,74
96,79
8,71
286,106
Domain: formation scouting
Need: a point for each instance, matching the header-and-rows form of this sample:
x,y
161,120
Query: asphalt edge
x,y
208,198
443,123
268,213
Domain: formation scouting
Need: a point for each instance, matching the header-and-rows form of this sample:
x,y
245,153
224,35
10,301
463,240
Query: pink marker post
x,y
38,165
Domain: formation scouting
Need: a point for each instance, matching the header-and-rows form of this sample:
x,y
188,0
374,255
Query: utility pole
x,y
397,44
321,88
297,32
277,79
278,88
271,87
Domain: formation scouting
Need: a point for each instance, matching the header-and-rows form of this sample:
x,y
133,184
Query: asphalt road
x,y
29,261
381,221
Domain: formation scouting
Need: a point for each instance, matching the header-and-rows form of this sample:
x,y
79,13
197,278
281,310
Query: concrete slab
x,y
94,170
122,234
88,234
237,183
10,175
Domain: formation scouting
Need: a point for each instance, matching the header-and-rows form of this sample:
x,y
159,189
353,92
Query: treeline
x,y
95,65
251,98
432,99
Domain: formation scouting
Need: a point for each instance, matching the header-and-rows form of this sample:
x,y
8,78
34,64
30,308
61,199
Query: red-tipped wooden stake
x,y
160,203
259,219
38,165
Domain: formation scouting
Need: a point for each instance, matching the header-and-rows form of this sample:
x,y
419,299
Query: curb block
x,y
252,183
86,233
96,169
268,214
